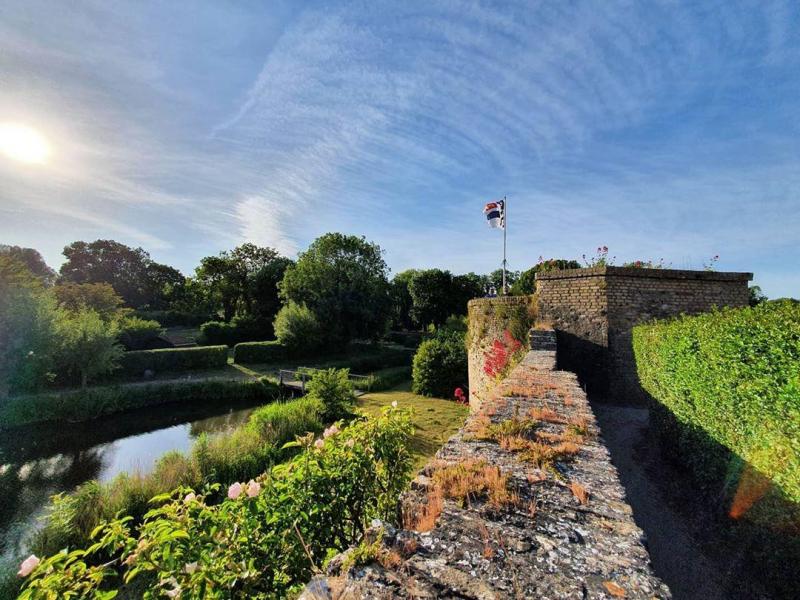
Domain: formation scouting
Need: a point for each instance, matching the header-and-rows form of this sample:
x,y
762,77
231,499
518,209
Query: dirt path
x,y
660,495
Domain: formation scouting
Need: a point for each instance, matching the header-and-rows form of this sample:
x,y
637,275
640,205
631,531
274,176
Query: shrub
x,y
258,543
298,329
88,344
173,318
259,352
409,339
726,391
135,363
440,365
139,334
93,402
384,379
334,389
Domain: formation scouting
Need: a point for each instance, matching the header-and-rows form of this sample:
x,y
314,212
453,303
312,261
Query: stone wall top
x,y
497,300
610,271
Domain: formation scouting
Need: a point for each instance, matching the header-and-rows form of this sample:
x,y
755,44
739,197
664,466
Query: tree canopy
x,y
526,283
343,280
32,260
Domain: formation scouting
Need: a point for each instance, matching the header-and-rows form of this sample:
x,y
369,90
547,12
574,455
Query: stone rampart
x,y
523,502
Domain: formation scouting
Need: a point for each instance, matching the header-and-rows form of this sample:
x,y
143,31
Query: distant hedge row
x,y
93,402
730,381
359,358
135,363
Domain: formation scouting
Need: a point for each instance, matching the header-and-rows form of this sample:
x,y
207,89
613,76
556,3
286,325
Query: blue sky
x,y
660,129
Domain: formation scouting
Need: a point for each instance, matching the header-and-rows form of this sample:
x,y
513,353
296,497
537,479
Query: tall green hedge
x,y
173,359
259,352
730,383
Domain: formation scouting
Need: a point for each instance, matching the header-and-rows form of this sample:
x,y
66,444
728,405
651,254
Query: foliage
x,y
97,401
264,291
731,381
526,283
262,543
384,379
130,271
647,264
756,296
298,329
600,259
138,334
440,365
334,389
401,299
28,319
32,260
233,279
408,339
172,318
99,297
87,344
495,280
240,329
343,280
259,352
135,363
437,294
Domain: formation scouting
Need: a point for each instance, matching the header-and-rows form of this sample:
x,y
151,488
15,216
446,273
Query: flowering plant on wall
x,y
499,357
600,259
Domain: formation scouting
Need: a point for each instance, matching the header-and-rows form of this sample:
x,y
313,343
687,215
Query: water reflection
x,y
38,462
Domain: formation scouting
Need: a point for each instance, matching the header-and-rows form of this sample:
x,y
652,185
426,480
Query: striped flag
x,y
496,214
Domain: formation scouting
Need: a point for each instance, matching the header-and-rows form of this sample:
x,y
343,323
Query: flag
x,y
496,214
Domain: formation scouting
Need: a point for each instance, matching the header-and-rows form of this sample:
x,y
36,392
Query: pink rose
x,y
28,565
189,497
319,444
235,491
253,488
332,430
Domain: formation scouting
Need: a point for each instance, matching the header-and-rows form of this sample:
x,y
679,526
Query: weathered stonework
x,y
594,311
488,319
567,531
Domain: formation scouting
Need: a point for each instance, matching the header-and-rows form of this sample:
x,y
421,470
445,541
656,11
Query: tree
x,y
526,284
401,299
100,297
33,260
88,343
263,289
27,328
297,328
130,271
756,295
495,279
343,280
465,288
164,285
229,277
431,293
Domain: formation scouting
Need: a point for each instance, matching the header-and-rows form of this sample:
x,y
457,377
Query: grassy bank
x,y
435,420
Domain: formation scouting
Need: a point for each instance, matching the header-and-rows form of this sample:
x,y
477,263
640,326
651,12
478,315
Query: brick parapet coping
x,y
548,544
646,273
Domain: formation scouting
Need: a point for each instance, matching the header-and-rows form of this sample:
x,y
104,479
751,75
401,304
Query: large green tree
x,y
526,283
401,299
33,260
343,280
130,271
437,294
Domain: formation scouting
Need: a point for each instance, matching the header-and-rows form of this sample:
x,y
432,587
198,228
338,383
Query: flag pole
x,y
505,228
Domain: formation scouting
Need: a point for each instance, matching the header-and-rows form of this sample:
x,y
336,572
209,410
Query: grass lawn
x,y
435,419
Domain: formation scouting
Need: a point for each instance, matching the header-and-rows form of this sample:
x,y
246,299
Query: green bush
x,y
135,363
409,339
440,365
259,352
261,543
334,390
240,329
172,318
93,402
138,334
298,329
384,379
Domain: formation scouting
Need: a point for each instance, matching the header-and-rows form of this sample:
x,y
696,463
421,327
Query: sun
x,y
22,143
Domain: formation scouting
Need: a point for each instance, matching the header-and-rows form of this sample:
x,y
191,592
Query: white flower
x,y
319,444
189,497
174,592
375,523
190,567
235,491
253,488
28,565
394,404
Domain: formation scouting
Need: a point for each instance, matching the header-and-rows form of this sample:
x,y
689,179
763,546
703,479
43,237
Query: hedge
x,y
732,377
384,379
172,318
135,363
240,329
259,352
93,402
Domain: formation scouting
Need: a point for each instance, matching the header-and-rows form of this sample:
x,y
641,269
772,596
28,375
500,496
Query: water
x,y
37,462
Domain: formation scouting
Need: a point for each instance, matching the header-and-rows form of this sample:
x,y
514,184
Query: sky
x,y
659,129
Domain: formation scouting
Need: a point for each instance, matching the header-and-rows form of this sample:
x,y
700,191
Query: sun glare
x,y
22,143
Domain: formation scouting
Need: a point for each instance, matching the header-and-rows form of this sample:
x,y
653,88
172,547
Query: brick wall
x,y
594,311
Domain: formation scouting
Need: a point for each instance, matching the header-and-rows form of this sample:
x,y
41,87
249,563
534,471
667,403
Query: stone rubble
x,y
548,545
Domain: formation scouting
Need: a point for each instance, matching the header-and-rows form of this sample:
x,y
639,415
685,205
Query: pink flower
x,y
332,430
28,565
190,497
319,444
235,491
174,592
253,488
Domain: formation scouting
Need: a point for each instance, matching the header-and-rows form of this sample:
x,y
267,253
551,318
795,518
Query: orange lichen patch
x,y
580,492
546,414
422,517
615,590
470,480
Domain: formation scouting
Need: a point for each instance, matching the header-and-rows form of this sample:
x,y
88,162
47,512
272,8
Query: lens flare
x,y
24,144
